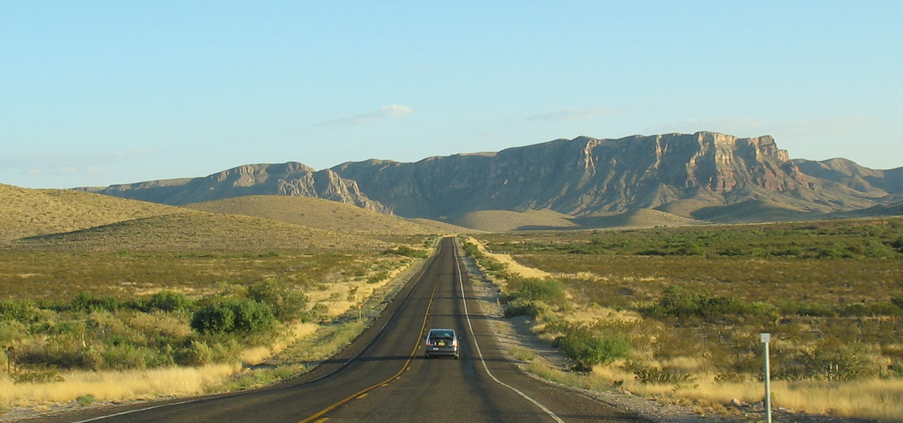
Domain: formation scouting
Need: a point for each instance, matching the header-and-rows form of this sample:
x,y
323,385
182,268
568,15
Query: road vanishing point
x,y
383,375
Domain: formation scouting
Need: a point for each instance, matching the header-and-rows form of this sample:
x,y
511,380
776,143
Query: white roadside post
x,y
766,338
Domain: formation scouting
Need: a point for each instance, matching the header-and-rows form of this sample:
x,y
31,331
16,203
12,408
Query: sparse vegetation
x,y
690,303
112,299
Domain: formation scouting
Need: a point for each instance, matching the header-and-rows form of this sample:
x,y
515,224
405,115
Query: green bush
x,y
471,250
582,345
677,301
234,315
533,289
286,303
214,318
830,360
86,302
168,301
21,311
197,353
85,400
521,307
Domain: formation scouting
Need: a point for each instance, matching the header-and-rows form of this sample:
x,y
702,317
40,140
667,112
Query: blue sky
x,y
99,93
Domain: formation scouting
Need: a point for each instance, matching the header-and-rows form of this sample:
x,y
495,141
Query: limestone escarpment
x,y
584,175
292,178
677,173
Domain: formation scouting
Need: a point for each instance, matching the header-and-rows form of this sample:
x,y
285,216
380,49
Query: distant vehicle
x,y
441,342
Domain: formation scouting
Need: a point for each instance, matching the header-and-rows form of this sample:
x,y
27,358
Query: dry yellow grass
x,y
258,355
117,386
874,398
513,266
199,231
28,212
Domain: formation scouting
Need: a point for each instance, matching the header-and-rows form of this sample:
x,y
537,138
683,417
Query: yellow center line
x,y
407,363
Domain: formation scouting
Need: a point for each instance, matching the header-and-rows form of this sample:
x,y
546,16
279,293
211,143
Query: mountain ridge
x,y
705,174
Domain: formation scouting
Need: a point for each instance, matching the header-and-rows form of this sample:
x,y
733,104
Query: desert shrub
x,y
875,308
589,349
550,291
897,301
124,356
168,301
234,315
214,318
897,244
677,301
830,360
196,353
471,250
406,251
378,277
521,307
286,303
22,311
85,400
86,302
662,375
895,369
318,312
61,352
809,309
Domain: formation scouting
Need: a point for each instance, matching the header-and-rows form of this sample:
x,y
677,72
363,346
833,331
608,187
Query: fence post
x,y
766,338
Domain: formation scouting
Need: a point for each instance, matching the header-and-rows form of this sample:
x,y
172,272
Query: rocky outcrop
x,y
579,177
293,179
587,175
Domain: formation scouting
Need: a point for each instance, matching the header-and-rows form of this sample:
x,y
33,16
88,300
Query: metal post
x,y
766,338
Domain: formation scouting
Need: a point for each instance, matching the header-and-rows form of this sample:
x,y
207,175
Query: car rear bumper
x,y
431,351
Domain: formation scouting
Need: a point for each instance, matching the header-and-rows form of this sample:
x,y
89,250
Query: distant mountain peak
x,y
583,176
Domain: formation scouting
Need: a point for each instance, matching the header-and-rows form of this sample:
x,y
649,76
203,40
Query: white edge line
x,y
134,411
480,353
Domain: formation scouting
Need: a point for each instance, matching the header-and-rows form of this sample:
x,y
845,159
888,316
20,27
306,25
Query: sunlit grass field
x,y
679,311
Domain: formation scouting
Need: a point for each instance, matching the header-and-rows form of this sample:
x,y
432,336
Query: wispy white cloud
x,y
571,115
753,127
386,112
67,163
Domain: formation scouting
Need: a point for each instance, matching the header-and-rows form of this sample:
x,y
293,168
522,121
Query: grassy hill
x,y
79,220
28,212
314,213
442,227
199,231
752,211
506,221
640,218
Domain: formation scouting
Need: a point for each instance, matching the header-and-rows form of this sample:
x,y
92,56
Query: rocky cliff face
x,y
294,179
585,175
579,177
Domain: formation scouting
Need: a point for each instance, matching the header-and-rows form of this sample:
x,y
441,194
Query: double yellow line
x,y
407,363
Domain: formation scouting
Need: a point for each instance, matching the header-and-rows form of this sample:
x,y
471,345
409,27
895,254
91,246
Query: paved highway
x,y
383,376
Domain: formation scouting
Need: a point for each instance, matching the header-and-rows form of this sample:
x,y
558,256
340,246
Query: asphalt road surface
x,y
384,377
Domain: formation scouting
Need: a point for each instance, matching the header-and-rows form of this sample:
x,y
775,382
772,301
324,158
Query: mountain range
x,y
584,182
